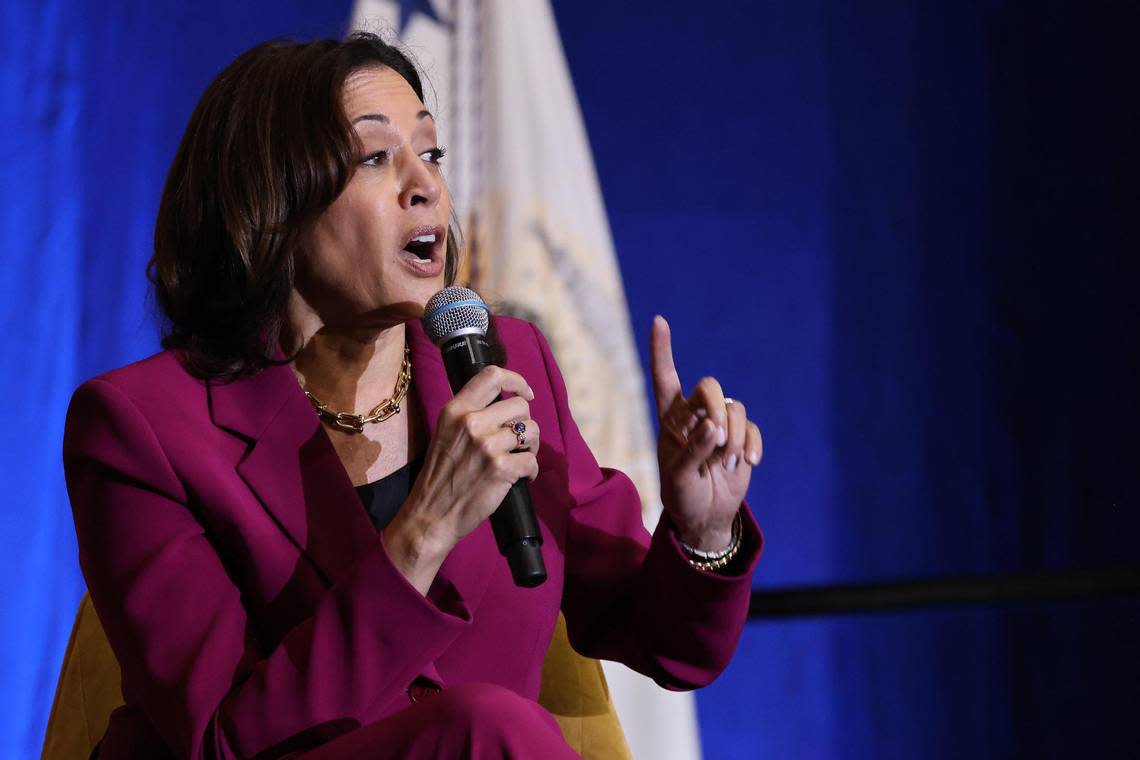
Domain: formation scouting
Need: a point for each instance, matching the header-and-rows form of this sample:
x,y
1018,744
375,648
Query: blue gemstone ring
x,y
519,429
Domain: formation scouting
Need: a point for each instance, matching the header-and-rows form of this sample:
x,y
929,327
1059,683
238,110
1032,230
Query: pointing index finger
x,y
666,383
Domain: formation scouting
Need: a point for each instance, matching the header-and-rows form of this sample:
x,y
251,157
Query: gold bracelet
x,y
716,560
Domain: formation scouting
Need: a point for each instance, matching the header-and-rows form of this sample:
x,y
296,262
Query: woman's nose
x,y
419,184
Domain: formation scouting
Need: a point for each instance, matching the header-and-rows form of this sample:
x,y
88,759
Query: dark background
x,y
905,234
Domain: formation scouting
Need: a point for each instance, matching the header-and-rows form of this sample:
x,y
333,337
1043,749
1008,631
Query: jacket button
x,y
421,689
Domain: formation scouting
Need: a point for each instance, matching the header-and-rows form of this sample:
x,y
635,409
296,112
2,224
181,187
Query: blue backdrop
x,y
903,233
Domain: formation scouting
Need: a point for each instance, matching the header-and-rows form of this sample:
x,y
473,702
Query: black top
x,y
383,498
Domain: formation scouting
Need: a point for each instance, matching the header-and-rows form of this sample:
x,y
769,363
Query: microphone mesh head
x,y
455,311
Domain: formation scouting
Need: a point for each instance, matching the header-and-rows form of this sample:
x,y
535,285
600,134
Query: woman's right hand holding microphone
x,y
471,462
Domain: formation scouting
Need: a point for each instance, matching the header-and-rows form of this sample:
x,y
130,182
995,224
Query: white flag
x,y
522,180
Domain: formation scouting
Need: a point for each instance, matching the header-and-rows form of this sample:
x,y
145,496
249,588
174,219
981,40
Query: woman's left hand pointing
x,y
706,450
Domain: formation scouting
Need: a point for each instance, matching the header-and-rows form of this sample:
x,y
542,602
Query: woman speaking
x,y
283,517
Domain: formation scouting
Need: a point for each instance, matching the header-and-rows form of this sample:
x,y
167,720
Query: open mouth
x,y
425,245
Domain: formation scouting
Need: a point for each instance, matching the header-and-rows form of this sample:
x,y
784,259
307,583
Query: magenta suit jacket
x,y
251,604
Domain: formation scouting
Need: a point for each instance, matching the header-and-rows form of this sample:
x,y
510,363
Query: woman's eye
x,y
433,155
378,158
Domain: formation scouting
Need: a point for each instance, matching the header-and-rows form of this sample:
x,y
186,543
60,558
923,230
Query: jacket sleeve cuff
x,y
742,566
443,605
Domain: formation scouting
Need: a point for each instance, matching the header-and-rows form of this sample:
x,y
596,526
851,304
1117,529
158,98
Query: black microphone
x,y
456,320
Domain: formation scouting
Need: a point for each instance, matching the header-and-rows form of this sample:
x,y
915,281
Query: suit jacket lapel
x,y
293,468
297,476
430,389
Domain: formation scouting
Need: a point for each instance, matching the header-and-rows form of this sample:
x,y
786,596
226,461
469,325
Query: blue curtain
x,y
904,234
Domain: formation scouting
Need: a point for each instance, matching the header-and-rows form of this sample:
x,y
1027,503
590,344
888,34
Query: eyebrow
x,y
384,119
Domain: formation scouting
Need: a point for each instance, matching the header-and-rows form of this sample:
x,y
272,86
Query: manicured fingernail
x,y
530,393
730,465
701,413
754,458
721,436
706,430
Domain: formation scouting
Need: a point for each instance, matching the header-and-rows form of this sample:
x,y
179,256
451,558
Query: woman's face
x,y
377,253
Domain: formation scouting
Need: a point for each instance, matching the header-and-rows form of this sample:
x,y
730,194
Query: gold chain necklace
x,y
354,423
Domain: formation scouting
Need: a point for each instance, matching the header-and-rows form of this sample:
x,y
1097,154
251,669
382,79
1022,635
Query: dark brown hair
x,y
267,150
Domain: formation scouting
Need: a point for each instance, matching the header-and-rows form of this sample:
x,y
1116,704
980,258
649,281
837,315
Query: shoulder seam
x,y
152,437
